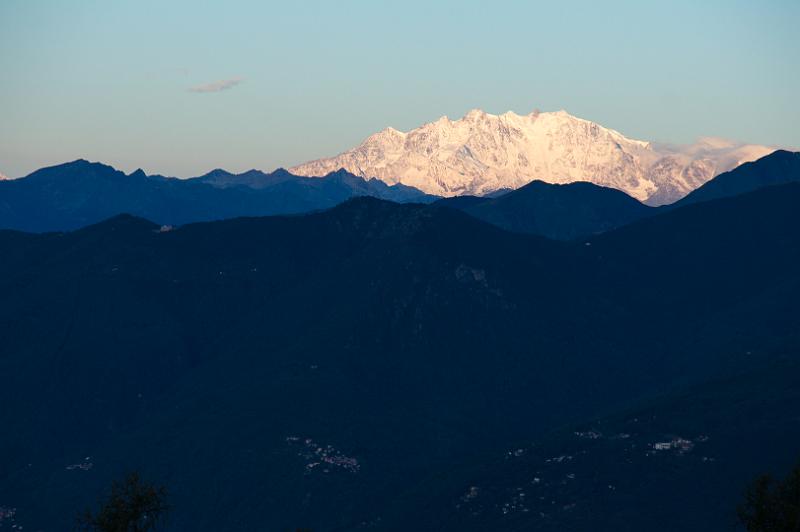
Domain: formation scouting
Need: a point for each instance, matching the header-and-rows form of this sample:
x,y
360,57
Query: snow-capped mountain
x,y
481,153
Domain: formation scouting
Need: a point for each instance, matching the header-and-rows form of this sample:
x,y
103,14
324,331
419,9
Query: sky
x,y
180,87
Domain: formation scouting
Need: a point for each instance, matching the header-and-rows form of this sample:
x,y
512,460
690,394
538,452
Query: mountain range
x,y
384,366
81,193
482,153
575,210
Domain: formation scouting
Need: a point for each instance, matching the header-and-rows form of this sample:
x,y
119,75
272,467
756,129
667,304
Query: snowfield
x,y
481,153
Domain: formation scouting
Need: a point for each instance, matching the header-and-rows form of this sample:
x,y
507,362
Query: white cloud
x,y
217,86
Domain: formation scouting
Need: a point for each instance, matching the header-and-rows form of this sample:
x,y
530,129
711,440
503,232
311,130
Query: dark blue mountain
x,y
77,194
561,212
367,366
578,210
282,179
777,168
252,178
80,193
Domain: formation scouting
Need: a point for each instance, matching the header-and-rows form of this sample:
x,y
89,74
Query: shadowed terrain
x,y
334,370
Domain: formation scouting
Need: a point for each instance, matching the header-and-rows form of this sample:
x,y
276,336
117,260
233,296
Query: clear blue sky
x,y
109,80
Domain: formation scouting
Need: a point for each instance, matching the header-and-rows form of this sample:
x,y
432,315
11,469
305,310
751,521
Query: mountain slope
x,y
561,212
332,370
565,212
775,169
481,153
80,193
667,464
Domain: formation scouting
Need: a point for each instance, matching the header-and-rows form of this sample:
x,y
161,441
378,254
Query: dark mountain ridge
x,y
76,194
562,212
778,168
80,193
578,210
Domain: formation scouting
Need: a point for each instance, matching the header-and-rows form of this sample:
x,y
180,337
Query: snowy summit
x,y
481,153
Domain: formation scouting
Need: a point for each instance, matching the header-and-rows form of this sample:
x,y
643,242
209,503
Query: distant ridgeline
x,y
576,210
396,367
80,193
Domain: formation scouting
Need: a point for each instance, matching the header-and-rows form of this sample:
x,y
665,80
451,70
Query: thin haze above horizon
x,y
181,87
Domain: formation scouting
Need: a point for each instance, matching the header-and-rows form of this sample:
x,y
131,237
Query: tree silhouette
x,y
772,506
132,506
